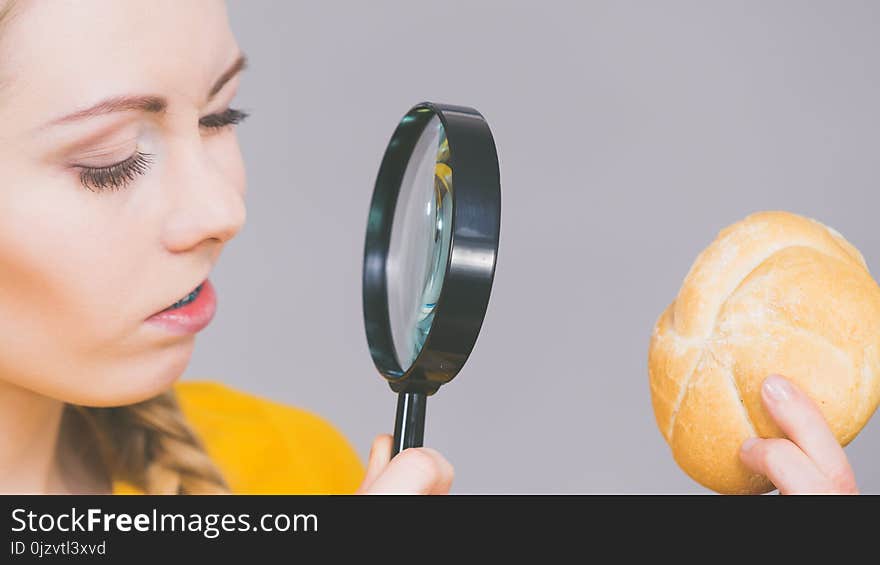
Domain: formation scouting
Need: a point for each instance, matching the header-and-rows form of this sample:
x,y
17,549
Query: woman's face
x,y
84,263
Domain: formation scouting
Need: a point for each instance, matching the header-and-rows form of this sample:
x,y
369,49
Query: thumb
x,y
417,470
380,455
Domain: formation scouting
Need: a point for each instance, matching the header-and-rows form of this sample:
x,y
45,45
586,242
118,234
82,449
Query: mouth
x,y
191,313
186,299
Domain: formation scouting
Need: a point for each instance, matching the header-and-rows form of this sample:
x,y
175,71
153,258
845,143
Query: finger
x,y
804,424
380,455
447,473
415,471
787,467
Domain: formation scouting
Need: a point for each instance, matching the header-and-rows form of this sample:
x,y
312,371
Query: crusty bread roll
x,y
774,293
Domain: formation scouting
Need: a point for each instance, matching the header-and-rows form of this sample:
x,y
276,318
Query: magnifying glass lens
x,y
420,243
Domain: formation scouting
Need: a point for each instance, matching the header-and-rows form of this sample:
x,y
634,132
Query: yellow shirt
x,y
264,447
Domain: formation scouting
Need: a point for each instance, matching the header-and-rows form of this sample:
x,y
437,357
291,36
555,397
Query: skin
x,y
83,270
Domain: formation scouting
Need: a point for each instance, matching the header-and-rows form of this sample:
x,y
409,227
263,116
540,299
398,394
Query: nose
x,y
206,200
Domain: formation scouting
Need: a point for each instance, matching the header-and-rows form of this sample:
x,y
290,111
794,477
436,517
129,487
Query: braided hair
x,y
148,444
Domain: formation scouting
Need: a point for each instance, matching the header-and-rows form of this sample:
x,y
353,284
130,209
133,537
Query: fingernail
x,y
777,388
748,444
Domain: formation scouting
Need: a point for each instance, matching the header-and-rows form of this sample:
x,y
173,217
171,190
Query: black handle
x,y
409,425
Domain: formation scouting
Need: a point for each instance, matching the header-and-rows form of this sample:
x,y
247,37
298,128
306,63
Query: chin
x,y
134,380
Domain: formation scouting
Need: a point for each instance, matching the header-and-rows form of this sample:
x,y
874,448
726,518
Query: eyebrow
x,y
145,103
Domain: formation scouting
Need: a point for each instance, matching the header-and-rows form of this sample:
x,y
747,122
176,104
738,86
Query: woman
x,y
122,182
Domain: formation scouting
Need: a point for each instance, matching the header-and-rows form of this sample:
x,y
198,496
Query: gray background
x,y
628,133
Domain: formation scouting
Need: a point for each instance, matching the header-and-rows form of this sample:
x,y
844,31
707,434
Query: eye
x,y
230,116
115,177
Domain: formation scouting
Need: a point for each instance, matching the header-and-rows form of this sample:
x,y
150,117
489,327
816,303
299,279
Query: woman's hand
x,y
810,461
418,470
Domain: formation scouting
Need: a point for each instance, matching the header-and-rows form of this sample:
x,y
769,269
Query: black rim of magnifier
x,y
470,268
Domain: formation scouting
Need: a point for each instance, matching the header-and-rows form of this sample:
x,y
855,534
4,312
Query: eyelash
x,y
119,175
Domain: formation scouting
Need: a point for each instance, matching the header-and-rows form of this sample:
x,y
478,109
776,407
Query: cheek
x,y
61,267
70,308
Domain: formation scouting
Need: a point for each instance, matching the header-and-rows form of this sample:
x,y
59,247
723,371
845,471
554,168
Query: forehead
x,y
59,55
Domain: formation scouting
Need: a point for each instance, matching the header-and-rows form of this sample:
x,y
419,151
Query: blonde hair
x,y
150,445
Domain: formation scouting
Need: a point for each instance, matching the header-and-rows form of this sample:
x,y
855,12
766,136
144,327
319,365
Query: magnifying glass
x,y
430,253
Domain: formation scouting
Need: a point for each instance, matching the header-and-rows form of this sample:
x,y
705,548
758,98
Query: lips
x,y
190,314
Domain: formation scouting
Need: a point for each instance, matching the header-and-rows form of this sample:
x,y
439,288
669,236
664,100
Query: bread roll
x,y
773,293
